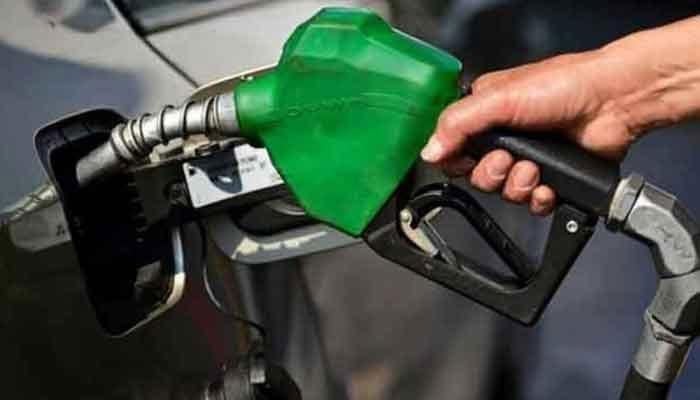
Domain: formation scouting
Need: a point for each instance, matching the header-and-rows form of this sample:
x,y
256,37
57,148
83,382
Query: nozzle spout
x,y
132,141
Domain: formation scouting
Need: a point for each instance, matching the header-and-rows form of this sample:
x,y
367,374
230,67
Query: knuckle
x,y
477,184
527,165
507,195
500,157
481,181
543,196
502,107
538,210
449,121
565,58
515,196
482,82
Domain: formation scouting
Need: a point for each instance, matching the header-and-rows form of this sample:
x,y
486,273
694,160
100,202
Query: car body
x,y
65,56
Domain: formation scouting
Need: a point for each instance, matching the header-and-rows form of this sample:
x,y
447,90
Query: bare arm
x,y
602,99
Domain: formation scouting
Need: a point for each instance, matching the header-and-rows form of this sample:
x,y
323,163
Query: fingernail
x,y
537,207
498,167
433,151
523,180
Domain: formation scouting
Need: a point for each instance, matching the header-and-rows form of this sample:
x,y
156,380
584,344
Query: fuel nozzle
x,y
133,140
351,99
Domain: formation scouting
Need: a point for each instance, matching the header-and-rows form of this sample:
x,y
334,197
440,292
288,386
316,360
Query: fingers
x,y
496,100
459,121
542,201
496,79
514,98
519,181
491,171
492,79
482,110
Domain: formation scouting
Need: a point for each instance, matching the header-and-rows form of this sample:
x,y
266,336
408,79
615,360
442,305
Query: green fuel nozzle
x,y
346,111
343,115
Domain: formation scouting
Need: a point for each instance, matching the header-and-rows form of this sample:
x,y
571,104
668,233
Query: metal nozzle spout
x,y
133,140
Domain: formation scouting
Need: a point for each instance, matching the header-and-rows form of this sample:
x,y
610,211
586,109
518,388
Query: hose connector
x,y
134,140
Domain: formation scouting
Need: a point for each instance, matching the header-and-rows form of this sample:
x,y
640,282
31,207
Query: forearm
x,y
654,76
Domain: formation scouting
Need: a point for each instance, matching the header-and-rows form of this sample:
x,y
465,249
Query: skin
x,y
603,100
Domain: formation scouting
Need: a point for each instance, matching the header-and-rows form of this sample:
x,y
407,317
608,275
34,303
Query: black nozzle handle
x,y
638,387
579,177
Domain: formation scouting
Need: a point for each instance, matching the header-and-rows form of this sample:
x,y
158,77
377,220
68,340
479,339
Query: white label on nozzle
x,y
228,175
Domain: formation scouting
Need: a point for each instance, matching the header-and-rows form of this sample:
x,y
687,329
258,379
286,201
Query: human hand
x,y
602,100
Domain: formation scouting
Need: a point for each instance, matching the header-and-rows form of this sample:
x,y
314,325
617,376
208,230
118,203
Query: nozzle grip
x,y
579,178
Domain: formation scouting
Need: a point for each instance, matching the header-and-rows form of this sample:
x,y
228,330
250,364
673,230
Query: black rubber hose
x,y
638,387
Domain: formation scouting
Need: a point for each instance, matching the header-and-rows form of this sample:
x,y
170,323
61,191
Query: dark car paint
x,y
51,343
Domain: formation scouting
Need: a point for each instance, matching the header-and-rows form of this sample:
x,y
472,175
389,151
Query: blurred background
x,y
345,323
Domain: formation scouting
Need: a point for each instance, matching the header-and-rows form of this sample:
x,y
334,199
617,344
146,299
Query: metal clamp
x,y
672,321
661,353
655,216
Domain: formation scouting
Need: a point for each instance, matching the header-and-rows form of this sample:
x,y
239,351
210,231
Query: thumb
x,y
463,119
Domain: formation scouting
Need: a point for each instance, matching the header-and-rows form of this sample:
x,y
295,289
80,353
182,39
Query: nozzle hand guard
x,y
584,184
